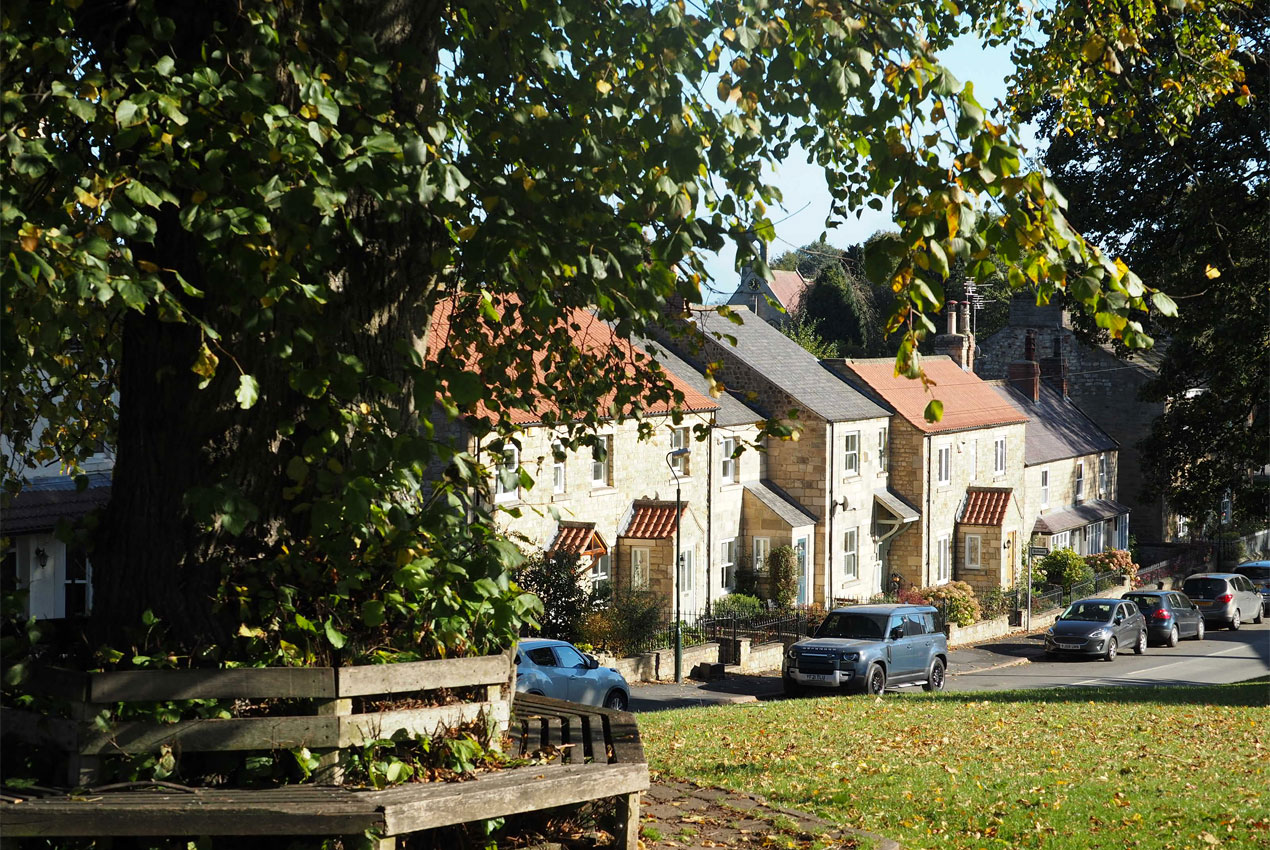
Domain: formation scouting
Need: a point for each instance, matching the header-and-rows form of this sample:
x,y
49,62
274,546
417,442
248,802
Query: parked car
x,y
555,668
1225,598
868,648
1098,627
1169,614
1257,572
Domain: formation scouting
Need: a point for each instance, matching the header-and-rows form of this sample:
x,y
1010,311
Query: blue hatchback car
x,y
555,668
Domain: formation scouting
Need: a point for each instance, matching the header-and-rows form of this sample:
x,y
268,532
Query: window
x,y
1122,532
727,464
943,570
945,465
685,571
974,551
602,461
1094,535
884,454
762,546
567,656
914,625
1045,488
851,557
601,568
507,475
998,456
1062,540
78,578
1102,476
639,569
558,480
727,558
851,454
542,656
1080,480
679,439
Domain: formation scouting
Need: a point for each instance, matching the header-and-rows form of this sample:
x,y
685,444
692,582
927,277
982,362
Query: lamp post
x,y
679,644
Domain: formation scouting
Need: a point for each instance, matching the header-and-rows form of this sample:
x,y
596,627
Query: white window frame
x,y
1061,540
1122,531
685,571
601,568
851,554
1080,481
1095,538
602,470
943,461
559,478
639,568
1102,475
1045,488
762,548
68,555
998,456
727,563
509,462
884,448
974,551
851,453
681,439
943,560
727,463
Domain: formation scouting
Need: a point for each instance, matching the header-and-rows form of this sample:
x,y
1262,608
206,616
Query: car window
x,y
1093,612
913,625
848,624
569,657
1204,588
1244,584
1147,604
1181,600
542,656
1128,611
1254,572
897,622
929,619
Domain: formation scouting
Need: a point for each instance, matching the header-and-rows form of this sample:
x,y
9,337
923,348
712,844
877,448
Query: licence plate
x,y
1202,603
816,677
1069,646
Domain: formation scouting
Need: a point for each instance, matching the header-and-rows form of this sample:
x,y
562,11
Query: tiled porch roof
x,y
986,505
578,538
651,520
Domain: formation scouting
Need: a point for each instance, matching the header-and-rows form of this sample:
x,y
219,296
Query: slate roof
x,y
652,520
1056,427
969,401
1079,516
792,368
43,503
780,503
732,411
985,505
578,538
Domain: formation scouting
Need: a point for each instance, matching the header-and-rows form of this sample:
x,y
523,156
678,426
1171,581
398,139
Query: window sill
x,y
602,489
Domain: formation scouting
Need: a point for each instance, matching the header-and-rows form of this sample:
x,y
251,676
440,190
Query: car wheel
x,y
1110,654
1260,616
1199,630
1172,639
1235,621
616,700
875,680
1141,646
935,676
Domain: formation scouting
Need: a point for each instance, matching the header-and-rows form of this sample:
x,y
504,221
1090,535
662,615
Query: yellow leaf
x,y
198,197
603,87
729,34
205,365
87,199
467,233
30,241
538,110
1211,273
147,266
166,138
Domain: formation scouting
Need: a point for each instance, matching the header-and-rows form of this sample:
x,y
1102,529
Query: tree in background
x,y
556,580
230,227
1192,216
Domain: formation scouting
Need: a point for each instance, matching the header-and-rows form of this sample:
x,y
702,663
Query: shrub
x,y
782,576
956,598
1064,567
739,605
1116,561
746,576
553,578
627,625
997,602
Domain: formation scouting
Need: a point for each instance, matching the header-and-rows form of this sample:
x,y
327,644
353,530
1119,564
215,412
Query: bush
x,y
997,602
1064,567
554,579
782,576
739,605
957,599
1116,561
746,577
628,625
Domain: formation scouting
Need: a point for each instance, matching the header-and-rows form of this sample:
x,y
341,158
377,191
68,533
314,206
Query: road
x,y
1222,657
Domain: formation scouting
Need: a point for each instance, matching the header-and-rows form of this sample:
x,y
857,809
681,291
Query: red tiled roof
x,y
969,401
578,538
588,333
788,287
986,505
653,520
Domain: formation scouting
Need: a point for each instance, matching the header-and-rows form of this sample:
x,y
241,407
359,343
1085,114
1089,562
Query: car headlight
x,y
1050,631
1101,633
791,653
850,656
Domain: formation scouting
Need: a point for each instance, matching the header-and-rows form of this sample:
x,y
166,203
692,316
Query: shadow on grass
x,y
1254,692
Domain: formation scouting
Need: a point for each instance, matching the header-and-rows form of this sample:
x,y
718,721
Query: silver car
x,y
1258,572
555,668
1224,598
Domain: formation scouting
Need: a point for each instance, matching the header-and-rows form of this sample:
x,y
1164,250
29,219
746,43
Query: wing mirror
x,y
591,662
897,633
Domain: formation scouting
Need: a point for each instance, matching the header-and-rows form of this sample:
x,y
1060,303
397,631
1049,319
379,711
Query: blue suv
x,y
868,648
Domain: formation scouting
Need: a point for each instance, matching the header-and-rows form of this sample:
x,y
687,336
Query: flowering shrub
x,y
1116,561
956,598
1063,567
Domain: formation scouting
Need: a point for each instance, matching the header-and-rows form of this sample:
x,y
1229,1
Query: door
x,y
900,650
1128,625
686,575
581,683
800,566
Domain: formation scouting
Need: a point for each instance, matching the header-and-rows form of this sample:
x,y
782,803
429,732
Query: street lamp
x,y
679,643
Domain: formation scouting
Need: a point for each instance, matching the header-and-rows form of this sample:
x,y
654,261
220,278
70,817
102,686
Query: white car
x,y
555,668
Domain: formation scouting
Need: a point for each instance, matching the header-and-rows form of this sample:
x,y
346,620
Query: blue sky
x,y
801,217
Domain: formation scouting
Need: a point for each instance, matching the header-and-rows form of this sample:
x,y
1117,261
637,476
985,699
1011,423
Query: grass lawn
x,y
1164,767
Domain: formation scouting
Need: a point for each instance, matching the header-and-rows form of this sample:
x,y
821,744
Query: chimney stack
x,y
1029,345
960,347
1025,376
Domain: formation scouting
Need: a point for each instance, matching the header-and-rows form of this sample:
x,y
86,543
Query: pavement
x,y
979,658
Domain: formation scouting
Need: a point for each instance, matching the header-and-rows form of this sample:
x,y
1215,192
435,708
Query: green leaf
x,y
125,112
1164,304
334,635
373,613
934,410
465,388
248,391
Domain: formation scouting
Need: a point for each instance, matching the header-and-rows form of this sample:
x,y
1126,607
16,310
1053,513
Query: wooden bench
x,y
598,756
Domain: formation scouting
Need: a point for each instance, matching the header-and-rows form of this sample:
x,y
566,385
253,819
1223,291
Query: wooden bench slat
x,y
241,683
243,733
424,675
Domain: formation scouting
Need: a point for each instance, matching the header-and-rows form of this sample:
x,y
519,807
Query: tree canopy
x,y
228,227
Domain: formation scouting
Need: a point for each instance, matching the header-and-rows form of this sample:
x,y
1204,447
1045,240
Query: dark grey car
x,y
1224,598
868,648
1098,627
1170,615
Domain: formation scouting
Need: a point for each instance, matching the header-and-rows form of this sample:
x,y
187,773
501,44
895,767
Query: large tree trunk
x,y
175,439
